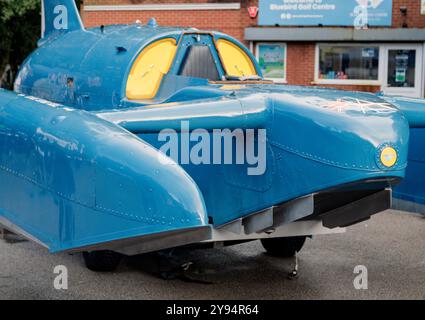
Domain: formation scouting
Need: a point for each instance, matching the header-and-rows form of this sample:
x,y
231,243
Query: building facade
x,y
365,45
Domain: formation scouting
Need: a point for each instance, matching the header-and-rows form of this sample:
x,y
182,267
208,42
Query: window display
x,y
272,60
348,62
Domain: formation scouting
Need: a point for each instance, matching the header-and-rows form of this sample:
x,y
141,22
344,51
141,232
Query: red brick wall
x,y
300,56
414,18
202,18
225,21
232,22
300,67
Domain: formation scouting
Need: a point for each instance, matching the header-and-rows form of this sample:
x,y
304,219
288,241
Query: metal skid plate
x,y
298,218
293,229
275,222
358,210
273,217
154,242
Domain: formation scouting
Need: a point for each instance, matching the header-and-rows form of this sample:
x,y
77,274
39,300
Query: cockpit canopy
x,y
121,66
194,55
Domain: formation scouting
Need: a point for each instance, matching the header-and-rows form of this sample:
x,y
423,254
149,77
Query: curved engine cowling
x,y
316,140
73,181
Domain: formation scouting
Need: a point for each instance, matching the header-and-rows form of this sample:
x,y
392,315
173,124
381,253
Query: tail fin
x,y
59,16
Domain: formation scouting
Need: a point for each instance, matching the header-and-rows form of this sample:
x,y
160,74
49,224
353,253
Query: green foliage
x,y
20,28
13,8
19,31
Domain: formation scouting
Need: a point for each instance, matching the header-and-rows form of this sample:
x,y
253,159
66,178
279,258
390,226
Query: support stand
x,y
294,273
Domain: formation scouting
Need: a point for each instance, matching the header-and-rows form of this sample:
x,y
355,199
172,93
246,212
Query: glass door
x,y
403,70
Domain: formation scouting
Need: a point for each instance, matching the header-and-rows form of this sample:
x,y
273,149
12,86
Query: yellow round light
x,y
388,157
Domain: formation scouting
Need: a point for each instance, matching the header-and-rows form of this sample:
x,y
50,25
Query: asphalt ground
x,y
391,246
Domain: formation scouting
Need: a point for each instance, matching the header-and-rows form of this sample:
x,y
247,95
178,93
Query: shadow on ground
x,y
391,246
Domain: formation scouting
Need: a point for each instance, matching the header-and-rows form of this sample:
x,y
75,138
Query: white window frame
x,y
417,90
423,71
285,71
377,82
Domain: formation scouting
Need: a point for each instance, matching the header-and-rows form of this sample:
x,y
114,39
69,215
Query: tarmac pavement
x,y
391,246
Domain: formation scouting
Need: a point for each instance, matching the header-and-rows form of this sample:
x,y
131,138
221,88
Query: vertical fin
x,y
59,16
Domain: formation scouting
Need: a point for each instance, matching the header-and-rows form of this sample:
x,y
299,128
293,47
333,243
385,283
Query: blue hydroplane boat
x,y
116,140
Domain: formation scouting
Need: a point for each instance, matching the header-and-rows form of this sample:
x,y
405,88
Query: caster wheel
x,y
102,261
283,247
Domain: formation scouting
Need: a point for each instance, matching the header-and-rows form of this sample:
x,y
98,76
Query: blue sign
x,y
357,13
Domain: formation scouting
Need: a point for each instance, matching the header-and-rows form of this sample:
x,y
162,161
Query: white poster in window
x,y
423,7
271,58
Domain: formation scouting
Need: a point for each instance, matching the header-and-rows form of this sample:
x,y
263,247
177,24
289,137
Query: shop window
x,y
236,61
150,67
272,60
348,62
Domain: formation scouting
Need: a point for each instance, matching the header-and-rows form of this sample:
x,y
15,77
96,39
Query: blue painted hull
x,y
304,156
83,169
411,191
73,180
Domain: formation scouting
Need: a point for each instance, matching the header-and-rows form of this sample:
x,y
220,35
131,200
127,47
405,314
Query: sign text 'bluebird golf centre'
x,y
324,12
